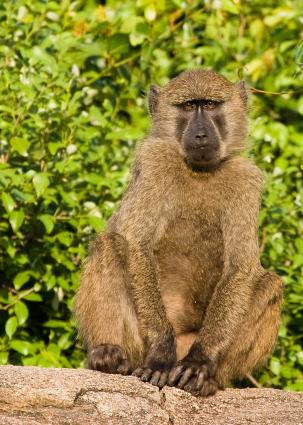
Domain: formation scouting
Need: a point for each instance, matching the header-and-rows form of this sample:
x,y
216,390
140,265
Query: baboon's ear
x,y
153,99
243,91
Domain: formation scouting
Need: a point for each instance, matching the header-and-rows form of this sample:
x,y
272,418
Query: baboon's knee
x,y
110,244
272,284
258,333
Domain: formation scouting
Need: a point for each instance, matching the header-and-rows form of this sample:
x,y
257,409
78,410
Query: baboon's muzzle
x,y
200,140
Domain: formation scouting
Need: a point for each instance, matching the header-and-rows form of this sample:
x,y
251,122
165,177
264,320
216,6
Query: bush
x,y
73,82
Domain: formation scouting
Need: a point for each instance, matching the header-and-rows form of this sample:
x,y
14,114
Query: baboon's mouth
x,y
202,159
202,154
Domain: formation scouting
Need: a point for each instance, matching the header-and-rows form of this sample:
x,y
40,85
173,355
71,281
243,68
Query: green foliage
x,y
73,79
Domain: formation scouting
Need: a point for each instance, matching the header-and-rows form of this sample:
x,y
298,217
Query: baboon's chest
x,y
192,224
190,262
196,240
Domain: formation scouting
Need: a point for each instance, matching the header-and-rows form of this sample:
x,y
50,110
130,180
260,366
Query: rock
x,y
36,396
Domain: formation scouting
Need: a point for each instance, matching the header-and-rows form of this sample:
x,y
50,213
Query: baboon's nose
x,y
201,139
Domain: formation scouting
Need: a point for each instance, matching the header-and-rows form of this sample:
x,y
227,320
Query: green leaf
x,y
97,223
48,222
297,260
118,43
296,386
3,357
53,147
21,312
300,104
275,366
136,38
287,371
65,238
229,6
282,164
33,297
299,53
41,182
20,279
20,145
54,324
31,361
11,326
22,347
65,341
8,202
16,219
54,348
129,25
257,28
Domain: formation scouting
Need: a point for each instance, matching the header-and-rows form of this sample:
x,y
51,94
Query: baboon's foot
x,y
108,358
208,387
196,377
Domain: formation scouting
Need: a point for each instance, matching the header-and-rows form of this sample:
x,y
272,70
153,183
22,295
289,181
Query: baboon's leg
x,y
184,342
105,311
250,347
257,334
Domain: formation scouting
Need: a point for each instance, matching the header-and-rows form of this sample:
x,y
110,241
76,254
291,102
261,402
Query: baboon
x,y
173,290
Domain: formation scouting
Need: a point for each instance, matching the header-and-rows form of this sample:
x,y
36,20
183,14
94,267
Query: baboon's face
x,y
203,115
200,129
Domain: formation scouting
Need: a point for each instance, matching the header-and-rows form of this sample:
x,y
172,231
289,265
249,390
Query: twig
x,y
253,380
254,90
16,300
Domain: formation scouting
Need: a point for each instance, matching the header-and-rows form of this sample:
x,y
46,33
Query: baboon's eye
x,y
189,105
210,104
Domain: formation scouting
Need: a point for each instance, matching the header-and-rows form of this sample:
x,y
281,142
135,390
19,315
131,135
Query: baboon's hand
x,y
108,358
160,359
194,373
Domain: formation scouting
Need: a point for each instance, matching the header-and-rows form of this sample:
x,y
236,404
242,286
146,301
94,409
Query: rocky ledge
x,y
33,396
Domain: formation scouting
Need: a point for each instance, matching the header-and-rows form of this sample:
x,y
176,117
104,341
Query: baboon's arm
x,y
140,221
146,292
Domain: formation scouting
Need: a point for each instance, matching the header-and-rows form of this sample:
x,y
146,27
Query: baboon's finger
x,y
174,375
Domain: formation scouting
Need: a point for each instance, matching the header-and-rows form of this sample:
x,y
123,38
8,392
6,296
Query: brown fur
x,y
177,275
